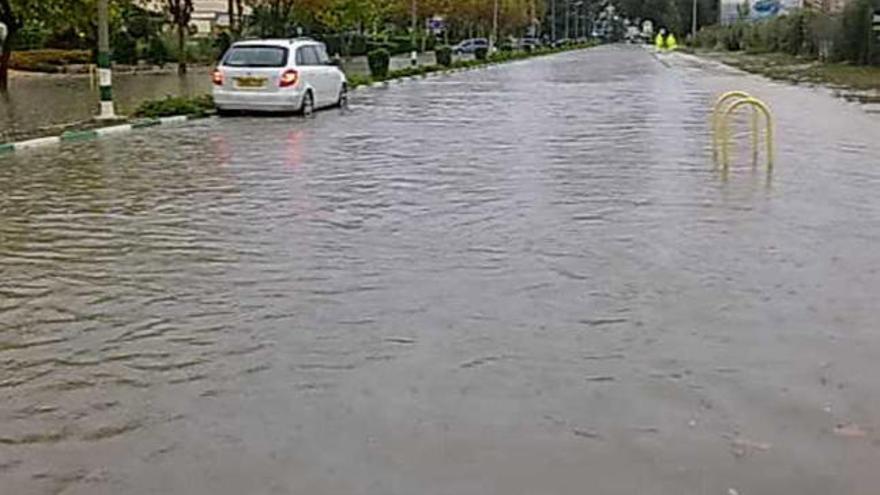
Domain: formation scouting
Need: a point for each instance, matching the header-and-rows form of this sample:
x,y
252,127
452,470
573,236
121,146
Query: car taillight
x,y
288,78
217,77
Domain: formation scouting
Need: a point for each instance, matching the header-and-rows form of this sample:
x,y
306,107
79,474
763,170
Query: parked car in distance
x,y
561,42
528,43
470,46
278,75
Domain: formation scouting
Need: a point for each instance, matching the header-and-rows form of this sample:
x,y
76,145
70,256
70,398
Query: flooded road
x,y
520,280
38,104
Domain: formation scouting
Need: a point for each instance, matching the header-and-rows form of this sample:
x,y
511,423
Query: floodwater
x,y
37,104
522,280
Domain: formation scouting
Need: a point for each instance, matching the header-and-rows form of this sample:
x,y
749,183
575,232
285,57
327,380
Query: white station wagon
x,y
278,76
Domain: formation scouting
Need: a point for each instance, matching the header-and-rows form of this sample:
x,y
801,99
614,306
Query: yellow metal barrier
x,y
758,106
724,108
718,116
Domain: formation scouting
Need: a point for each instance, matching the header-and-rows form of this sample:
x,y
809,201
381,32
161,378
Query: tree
x,y
181,15
65,21
13,23
271,18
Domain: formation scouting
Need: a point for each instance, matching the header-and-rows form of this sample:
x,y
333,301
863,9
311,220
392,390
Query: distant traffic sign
x,y
436,24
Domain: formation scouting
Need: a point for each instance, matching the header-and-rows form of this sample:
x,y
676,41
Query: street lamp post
x,y
553,20
105,74
494,37
567,17
413,56
578,22
694,23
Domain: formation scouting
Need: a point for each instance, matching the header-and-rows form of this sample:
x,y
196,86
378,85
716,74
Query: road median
x,y
178,110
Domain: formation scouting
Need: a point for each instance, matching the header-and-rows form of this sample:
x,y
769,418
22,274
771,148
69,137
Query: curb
x,y
488,65
93,134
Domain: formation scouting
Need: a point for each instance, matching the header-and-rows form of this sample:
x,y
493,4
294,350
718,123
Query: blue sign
x,y
436,24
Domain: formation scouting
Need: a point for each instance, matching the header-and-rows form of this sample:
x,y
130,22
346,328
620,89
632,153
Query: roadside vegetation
x,y
157,33
196,106
805,46
809,34
203,105
50,35
800,70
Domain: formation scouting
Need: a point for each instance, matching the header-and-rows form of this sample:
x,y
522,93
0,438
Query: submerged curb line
x,y
448,71
92,134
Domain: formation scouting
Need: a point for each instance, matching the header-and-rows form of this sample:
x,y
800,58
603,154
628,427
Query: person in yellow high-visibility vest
x,y
660,40
671,42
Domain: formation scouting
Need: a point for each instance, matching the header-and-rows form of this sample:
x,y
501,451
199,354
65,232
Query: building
x,y
207,16
733,10
762,9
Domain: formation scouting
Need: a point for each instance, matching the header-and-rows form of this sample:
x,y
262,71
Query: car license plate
x,y
250,82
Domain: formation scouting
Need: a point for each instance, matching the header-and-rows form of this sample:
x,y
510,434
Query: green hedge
x,y
351,45
48,60
359,45
379,62
805,33
444,55
176,105
421,70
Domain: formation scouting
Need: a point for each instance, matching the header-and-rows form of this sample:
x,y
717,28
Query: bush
x,y
31,36
346,45
125,49
202,51
444,56
356,80
48,60
853,43
376,45
176,105
844,38
379,61
222,42
733,36
481,53
157,52
400,45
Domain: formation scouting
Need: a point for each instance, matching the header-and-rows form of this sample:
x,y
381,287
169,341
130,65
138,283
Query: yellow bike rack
x,y
724,108
717,115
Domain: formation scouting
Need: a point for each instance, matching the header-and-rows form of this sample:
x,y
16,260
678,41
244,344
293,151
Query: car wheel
x,y
342,101
308,105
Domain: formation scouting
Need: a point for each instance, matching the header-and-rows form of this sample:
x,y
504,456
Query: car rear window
x,y
256,56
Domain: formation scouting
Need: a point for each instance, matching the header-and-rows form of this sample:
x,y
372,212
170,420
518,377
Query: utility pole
x,y
494,39
413,56
567,17
553,21
105,75
694,23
